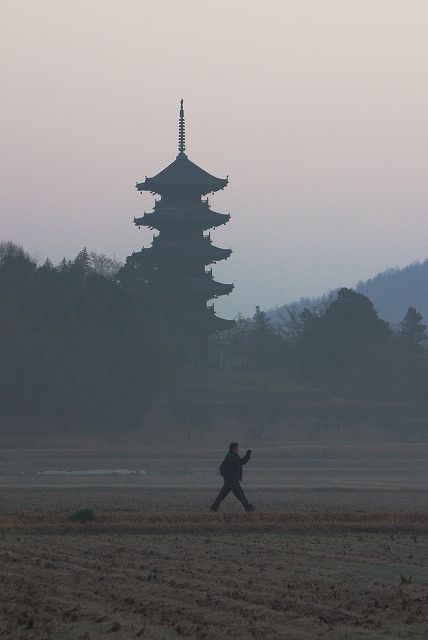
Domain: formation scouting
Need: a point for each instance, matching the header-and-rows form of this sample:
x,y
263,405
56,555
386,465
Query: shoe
x,y
250,507
215,509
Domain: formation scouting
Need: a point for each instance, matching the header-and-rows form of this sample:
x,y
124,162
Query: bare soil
x,y
308,566
311,585
336,549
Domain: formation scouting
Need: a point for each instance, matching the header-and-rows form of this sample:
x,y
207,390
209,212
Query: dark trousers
x,y
235,487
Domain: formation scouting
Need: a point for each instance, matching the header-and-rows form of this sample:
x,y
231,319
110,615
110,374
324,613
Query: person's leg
x,y
238,492
224,491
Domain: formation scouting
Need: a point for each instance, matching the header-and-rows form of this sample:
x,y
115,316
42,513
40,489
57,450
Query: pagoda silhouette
x,y
182,250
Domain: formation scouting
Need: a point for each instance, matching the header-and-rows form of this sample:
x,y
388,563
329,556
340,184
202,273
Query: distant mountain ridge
x,y
392,292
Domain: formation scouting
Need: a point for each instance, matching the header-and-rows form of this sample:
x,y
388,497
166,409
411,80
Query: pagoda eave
x,y
210,323
162,189
203,218
205,253
206,287
182,175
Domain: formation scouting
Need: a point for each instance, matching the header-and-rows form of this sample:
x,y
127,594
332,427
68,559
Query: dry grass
x,y
189,522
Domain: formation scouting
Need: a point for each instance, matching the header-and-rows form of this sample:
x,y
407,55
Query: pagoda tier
x,y
211,323
199,217
206,287
182,175
204,253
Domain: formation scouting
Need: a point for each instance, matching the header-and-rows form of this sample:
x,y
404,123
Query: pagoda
x,y
182,247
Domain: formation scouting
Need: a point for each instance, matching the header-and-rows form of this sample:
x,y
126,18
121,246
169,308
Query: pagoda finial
x,y
181,130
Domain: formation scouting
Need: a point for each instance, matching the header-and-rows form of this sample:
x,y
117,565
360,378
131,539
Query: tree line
x,y
79,350
88,345
341,346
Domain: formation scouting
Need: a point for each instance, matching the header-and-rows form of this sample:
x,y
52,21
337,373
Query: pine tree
x,y
412,331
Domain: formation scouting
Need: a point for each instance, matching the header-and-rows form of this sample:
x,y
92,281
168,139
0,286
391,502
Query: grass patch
x,y
83,515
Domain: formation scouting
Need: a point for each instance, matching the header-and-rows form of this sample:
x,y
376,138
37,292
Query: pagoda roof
x,y
206,286
210,323
203,217
182,173
205,252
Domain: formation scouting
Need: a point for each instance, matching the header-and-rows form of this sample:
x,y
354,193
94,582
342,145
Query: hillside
x,y
395,290
392,292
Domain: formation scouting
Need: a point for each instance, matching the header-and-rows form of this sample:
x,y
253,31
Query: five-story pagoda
x,y
182,249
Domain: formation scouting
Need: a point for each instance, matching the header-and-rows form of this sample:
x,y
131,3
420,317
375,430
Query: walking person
x,y
231,470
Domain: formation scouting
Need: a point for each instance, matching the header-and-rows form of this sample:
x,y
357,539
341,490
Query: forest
x,y
78,350
86,347
340,346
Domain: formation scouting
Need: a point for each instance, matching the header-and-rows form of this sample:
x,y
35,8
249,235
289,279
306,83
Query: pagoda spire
x,y
181,130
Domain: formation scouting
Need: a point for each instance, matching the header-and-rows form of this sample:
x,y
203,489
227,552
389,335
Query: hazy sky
x,y
316,109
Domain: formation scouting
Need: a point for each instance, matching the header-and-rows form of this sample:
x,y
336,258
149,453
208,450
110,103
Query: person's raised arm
x,y
247,456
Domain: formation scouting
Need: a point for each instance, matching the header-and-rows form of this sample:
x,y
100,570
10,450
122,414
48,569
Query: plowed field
x,y
298,573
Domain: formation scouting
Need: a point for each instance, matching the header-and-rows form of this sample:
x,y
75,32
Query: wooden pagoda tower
x,y
182,247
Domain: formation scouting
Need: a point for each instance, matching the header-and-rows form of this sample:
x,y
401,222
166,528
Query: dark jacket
x,y
231,467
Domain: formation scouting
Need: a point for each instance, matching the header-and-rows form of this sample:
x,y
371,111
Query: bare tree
x,y
188,414
102,265
258,415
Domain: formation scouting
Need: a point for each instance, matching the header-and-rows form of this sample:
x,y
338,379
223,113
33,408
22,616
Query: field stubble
x,y
334,551
81,584
295,574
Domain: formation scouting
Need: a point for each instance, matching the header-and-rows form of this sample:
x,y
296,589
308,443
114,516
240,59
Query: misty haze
x,y
213,386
